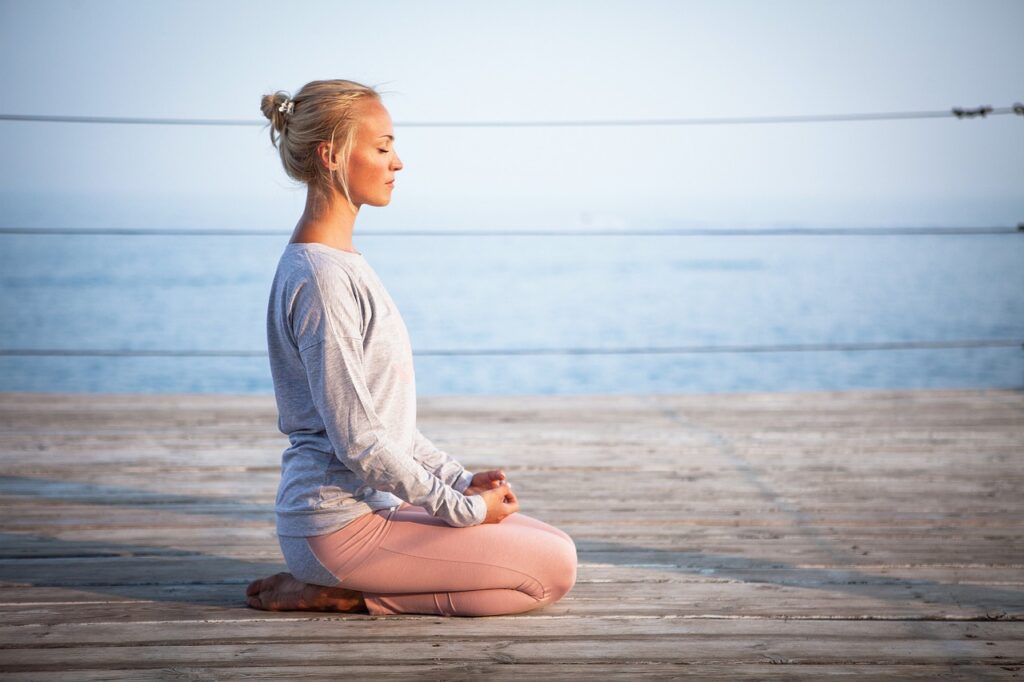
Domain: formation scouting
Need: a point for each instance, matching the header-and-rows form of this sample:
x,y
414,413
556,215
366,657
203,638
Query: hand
x,y
485,480
501,502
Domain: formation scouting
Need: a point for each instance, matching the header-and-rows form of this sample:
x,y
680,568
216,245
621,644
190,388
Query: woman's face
x,y
373,162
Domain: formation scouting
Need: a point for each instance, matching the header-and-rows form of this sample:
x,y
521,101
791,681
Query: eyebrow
x,y
390,137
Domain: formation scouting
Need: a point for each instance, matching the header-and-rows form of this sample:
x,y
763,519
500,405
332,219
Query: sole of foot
x,y
283,592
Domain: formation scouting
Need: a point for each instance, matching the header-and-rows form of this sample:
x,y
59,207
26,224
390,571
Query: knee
x,y
561,570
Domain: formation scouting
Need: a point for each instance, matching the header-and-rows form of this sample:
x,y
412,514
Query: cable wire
x,y
690,232
447,352
956,112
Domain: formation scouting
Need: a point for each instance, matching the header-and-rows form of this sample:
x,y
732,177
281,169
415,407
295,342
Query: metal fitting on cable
x,y
971,113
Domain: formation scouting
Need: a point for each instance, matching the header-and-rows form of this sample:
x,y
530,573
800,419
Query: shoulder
x,y
320,274
324,292
309,260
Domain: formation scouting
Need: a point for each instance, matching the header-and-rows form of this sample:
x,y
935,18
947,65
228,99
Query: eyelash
x,y
382,151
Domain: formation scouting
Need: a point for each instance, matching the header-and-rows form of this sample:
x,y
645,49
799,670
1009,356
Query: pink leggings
x,y
407,561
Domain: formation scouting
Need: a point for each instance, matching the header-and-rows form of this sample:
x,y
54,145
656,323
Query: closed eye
x,y
382,151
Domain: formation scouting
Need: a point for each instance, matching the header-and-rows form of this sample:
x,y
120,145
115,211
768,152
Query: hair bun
x,y
273,107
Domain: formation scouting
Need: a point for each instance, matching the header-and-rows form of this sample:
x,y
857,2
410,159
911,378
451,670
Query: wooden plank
x,y
190,606
501,672
325,628
696,648
695,600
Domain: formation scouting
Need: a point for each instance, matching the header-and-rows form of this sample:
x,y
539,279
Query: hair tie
x,y
287,106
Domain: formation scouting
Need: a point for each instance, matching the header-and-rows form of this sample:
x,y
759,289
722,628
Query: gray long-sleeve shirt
x,y
343,376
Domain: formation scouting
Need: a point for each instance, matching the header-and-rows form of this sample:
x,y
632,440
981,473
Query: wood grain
x,y
728,536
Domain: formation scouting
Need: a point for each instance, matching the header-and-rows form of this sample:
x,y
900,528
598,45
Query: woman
x,y
371,516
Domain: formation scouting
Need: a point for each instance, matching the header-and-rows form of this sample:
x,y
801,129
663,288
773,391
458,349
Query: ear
x,y
324,156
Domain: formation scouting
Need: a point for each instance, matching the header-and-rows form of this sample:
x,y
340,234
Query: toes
x,y
253,588
254,602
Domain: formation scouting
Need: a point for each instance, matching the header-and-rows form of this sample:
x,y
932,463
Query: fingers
x,y
510,497
500,492
495,477
501,502
510,503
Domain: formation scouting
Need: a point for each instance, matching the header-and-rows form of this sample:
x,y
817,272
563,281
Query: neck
x,y
328,218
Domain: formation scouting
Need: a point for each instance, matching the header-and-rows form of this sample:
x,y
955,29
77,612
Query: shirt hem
x,y
306,524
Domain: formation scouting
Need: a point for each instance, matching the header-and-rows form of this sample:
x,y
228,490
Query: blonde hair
x,y
322,111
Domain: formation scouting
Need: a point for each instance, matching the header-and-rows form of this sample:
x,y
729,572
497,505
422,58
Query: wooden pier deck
x,y
753,536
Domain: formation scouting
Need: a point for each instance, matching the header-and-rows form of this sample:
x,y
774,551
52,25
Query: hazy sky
x,y
522,60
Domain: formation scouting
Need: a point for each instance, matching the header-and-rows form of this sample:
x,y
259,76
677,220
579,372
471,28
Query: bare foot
x,y
283,592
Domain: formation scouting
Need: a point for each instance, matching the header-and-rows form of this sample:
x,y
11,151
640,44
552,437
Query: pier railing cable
x,y
445,352
688,232
955,112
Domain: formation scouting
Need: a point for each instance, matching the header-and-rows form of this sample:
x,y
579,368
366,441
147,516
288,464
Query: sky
x,y
522,61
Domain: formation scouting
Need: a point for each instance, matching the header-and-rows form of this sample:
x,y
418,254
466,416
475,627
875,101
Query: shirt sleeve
x,y
440,463
334,368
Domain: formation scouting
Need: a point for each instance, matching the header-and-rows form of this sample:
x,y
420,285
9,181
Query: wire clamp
x,y
972,113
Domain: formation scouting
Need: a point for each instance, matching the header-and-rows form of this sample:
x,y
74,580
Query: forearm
x,y
440,463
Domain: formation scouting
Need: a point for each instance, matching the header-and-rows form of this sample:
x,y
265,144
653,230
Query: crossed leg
x,y
422,565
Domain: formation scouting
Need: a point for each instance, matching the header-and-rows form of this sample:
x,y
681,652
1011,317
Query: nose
x,y
396,163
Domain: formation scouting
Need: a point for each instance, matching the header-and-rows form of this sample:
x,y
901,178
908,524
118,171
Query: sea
x,y
520,314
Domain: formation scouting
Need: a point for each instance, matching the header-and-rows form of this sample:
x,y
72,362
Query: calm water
x,y
174,293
